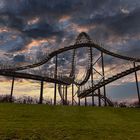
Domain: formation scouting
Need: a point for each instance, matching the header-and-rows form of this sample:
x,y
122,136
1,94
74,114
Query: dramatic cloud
x,y
31,28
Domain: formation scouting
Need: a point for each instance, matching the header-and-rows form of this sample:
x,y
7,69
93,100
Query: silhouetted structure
x,y
86,87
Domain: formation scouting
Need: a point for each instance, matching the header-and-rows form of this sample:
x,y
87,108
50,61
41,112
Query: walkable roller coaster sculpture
x,y
94,80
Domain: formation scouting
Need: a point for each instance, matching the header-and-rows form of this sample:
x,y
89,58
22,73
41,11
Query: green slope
x,y
42,122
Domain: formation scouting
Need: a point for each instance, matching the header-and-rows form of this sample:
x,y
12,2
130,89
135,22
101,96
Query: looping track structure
x,y
92,84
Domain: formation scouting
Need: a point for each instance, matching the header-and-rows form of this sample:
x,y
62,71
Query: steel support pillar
x,y
79,102
66,95
99,98
103,72
137,84
41,92
92,82
55,76
63,95
55,86
12,88
72,94
85,101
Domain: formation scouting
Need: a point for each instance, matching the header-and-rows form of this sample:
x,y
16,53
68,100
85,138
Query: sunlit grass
x,y
42,122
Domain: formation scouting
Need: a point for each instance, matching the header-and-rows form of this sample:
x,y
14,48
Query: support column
x,y
85,101
12,88
55,85
79,102
66,96
63,94
103,72
41,92
137,85
99,98
92,86
72,94
92,83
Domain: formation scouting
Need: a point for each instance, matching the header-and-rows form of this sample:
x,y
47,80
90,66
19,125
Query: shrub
x,y
6,98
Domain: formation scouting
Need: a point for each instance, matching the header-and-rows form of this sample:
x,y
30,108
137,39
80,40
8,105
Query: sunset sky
x,y
31,28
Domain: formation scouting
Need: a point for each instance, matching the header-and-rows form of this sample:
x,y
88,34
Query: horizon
x,y
31,28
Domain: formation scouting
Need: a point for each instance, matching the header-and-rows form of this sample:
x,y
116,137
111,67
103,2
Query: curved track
x,y
76,46
107,81
71,79
110,103
35,77
88,70
72,73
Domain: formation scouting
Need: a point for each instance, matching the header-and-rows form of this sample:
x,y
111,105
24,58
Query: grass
x,y
42,122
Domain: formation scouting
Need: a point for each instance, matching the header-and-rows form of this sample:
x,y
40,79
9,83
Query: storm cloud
x,y
114,23
30,28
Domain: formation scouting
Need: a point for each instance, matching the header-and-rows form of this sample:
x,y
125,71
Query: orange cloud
x,y
64,18
33,21
80,29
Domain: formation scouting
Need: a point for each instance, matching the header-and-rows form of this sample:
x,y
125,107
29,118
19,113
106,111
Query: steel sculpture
x,y
92,84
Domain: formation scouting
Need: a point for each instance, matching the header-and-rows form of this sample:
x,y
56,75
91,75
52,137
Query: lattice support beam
x,y
12,89
55,85
103,72
72,94
41,92
137,84
99,97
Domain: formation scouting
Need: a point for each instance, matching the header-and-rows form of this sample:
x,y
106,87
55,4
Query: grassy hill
x,y
42,122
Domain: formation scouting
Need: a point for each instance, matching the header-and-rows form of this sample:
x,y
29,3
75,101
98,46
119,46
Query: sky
x,y
31,28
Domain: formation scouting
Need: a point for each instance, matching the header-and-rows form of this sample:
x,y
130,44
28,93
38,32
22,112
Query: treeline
x,y
35,100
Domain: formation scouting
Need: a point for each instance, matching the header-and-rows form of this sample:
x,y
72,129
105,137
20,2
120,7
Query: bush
x,y
6,98
135,104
